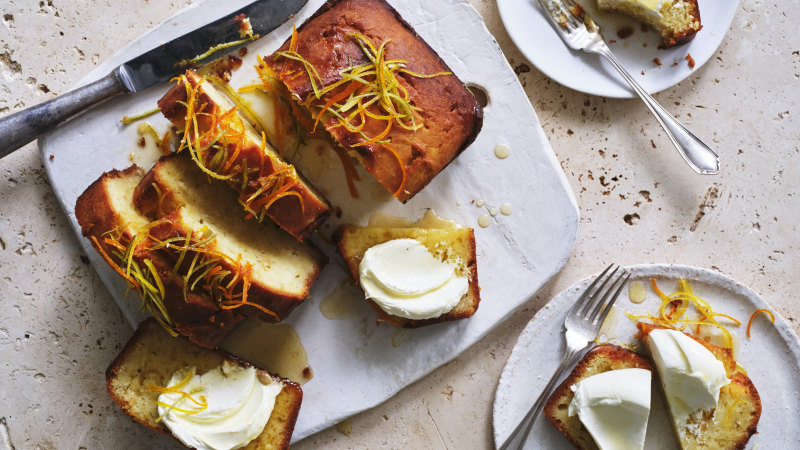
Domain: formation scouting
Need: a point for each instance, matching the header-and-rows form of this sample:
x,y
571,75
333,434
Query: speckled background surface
x,y
59,328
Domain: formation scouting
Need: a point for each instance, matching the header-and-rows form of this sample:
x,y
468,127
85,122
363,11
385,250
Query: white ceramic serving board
x,y
354,362
771,357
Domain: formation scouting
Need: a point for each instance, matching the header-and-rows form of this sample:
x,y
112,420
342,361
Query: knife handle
x,y
24,126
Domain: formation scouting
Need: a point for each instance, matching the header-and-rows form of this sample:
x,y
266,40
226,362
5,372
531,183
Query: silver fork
x,y
582,325
580,32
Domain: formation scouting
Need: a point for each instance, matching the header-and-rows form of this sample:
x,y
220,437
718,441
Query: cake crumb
x,y
624,33
52,156
657,62
690,60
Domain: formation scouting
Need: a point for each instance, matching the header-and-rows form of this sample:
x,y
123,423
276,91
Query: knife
x,y
153,67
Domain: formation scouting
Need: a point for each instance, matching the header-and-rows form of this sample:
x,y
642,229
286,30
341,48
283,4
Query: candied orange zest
x,y
402,170
753,316
340,96
350,172
673,311
377,138
113,264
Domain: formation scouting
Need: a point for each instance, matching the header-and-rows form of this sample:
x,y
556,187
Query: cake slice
x,y
108,218
151,358
266,266
225,146
601,359
454,246
678,21
730,424
359,71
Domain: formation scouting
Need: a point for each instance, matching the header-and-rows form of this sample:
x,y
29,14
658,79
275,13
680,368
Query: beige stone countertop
x,y
639,203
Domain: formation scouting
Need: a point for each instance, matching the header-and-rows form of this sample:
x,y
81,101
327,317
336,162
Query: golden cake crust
x,y
300,220
603,358
194,315
353,241
151,356
169,203
450,115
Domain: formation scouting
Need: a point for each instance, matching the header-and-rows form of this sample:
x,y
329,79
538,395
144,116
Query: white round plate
x,y
537,40
771,358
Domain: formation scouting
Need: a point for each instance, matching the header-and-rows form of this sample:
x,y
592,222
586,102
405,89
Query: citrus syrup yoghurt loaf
x,y
413,276
605,401
678,21
254,267
120,234
359,71
711,402
226,147
206,399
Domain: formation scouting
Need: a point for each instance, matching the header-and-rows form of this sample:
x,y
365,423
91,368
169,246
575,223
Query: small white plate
x,y
771,358
529,29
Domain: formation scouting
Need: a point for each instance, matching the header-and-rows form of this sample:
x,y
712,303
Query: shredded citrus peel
x,y
370,90
753,316
216,146
225,279
675,308
201,404
216,48
130,119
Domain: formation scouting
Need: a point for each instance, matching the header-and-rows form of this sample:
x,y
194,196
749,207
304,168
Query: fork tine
x,y
555,10
605,307
569,16
582,300
596,297
602,297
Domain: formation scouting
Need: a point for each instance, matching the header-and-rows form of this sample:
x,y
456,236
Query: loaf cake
x,y
735,418
678,21
151,357
603,358
227,147
267,265
358,70
455,246
108,218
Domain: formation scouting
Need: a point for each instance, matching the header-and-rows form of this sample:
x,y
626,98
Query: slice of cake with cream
x,y
605,401
206,399
711,401
412,275
678,21
614,406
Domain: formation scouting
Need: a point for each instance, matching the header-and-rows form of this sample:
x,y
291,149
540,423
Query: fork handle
x,y
696,153
518,437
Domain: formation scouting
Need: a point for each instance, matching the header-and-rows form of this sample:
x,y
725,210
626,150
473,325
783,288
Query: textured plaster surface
x,y
59,327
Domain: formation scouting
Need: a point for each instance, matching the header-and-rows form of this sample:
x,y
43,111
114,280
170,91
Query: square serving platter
x,y
355,364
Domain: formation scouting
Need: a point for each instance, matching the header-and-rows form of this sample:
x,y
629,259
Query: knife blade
x,y
148,69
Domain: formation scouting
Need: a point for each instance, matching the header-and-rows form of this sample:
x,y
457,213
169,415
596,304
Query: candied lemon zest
x,y
216,146
130,119
674,311
365,88
177,389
